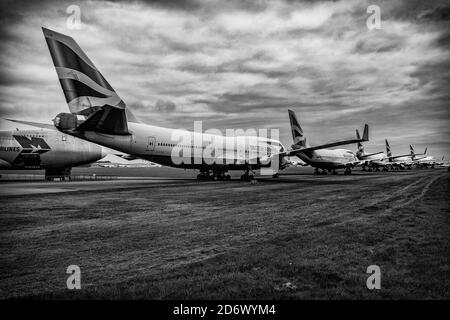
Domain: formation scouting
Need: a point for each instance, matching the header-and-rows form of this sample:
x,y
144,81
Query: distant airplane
x,y
443,163
425,161
400,161
372,160
99,115
320,157
53,151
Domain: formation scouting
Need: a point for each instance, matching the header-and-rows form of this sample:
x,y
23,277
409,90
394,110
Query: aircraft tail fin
x,y
84,87
86,91
360,151
411,151
388,149
366,133
297,132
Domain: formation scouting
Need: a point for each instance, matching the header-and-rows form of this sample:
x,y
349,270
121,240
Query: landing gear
x,y
276,175
348,171
334,171
205,175
214,175
247,176
316,171
57,174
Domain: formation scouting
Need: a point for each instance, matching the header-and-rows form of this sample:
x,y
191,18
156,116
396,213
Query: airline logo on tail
x,y
85,88
411,151
360,145
297,132
388,149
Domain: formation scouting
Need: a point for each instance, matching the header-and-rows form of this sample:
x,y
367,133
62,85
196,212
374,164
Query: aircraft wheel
x,y
228,177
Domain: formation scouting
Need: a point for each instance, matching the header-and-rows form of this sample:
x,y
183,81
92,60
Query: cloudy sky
x,y
241,64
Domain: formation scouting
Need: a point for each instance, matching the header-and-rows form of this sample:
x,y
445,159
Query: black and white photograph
x,y
226,155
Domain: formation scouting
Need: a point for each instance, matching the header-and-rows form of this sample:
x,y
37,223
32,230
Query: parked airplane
x,y
399,161
320,157
99,115
370,161
424,161
53,151
444,164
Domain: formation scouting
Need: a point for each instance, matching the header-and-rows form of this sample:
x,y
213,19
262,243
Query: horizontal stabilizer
x,y
108,120
34,124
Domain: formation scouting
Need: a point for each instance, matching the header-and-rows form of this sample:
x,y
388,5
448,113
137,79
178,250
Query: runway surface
x,y
168,237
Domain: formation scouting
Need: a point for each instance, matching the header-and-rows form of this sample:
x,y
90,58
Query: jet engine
x,y
67,121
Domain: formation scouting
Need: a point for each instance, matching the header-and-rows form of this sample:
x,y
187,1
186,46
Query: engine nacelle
x,y
67,121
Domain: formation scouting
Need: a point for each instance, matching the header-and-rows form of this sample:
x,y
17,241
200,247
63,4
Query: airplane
x,y
53,151
443,163
99,115
400,161
425,161
320,157
372,160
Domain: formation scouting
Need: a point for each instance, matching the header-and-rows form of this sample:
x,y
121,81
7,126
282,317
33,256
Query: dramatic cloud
x,y
241,64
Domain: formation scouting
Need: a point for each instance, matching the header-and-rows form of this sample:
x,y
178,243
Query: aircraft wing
x,y
401,156
294,152
264,159
356,163
372,154
128,157
35,124
332,144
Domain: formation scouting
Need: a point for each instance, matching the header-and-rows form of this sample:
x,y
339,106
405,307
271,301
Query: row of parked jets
x,y
100,119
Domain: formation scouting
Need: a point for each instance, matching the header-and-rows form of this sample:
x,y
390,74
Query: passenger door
x,y
151,143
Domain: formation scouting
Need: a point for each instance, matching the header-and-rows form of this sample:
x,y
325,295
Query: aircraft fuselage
x,y
44,149
187,149
328,158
